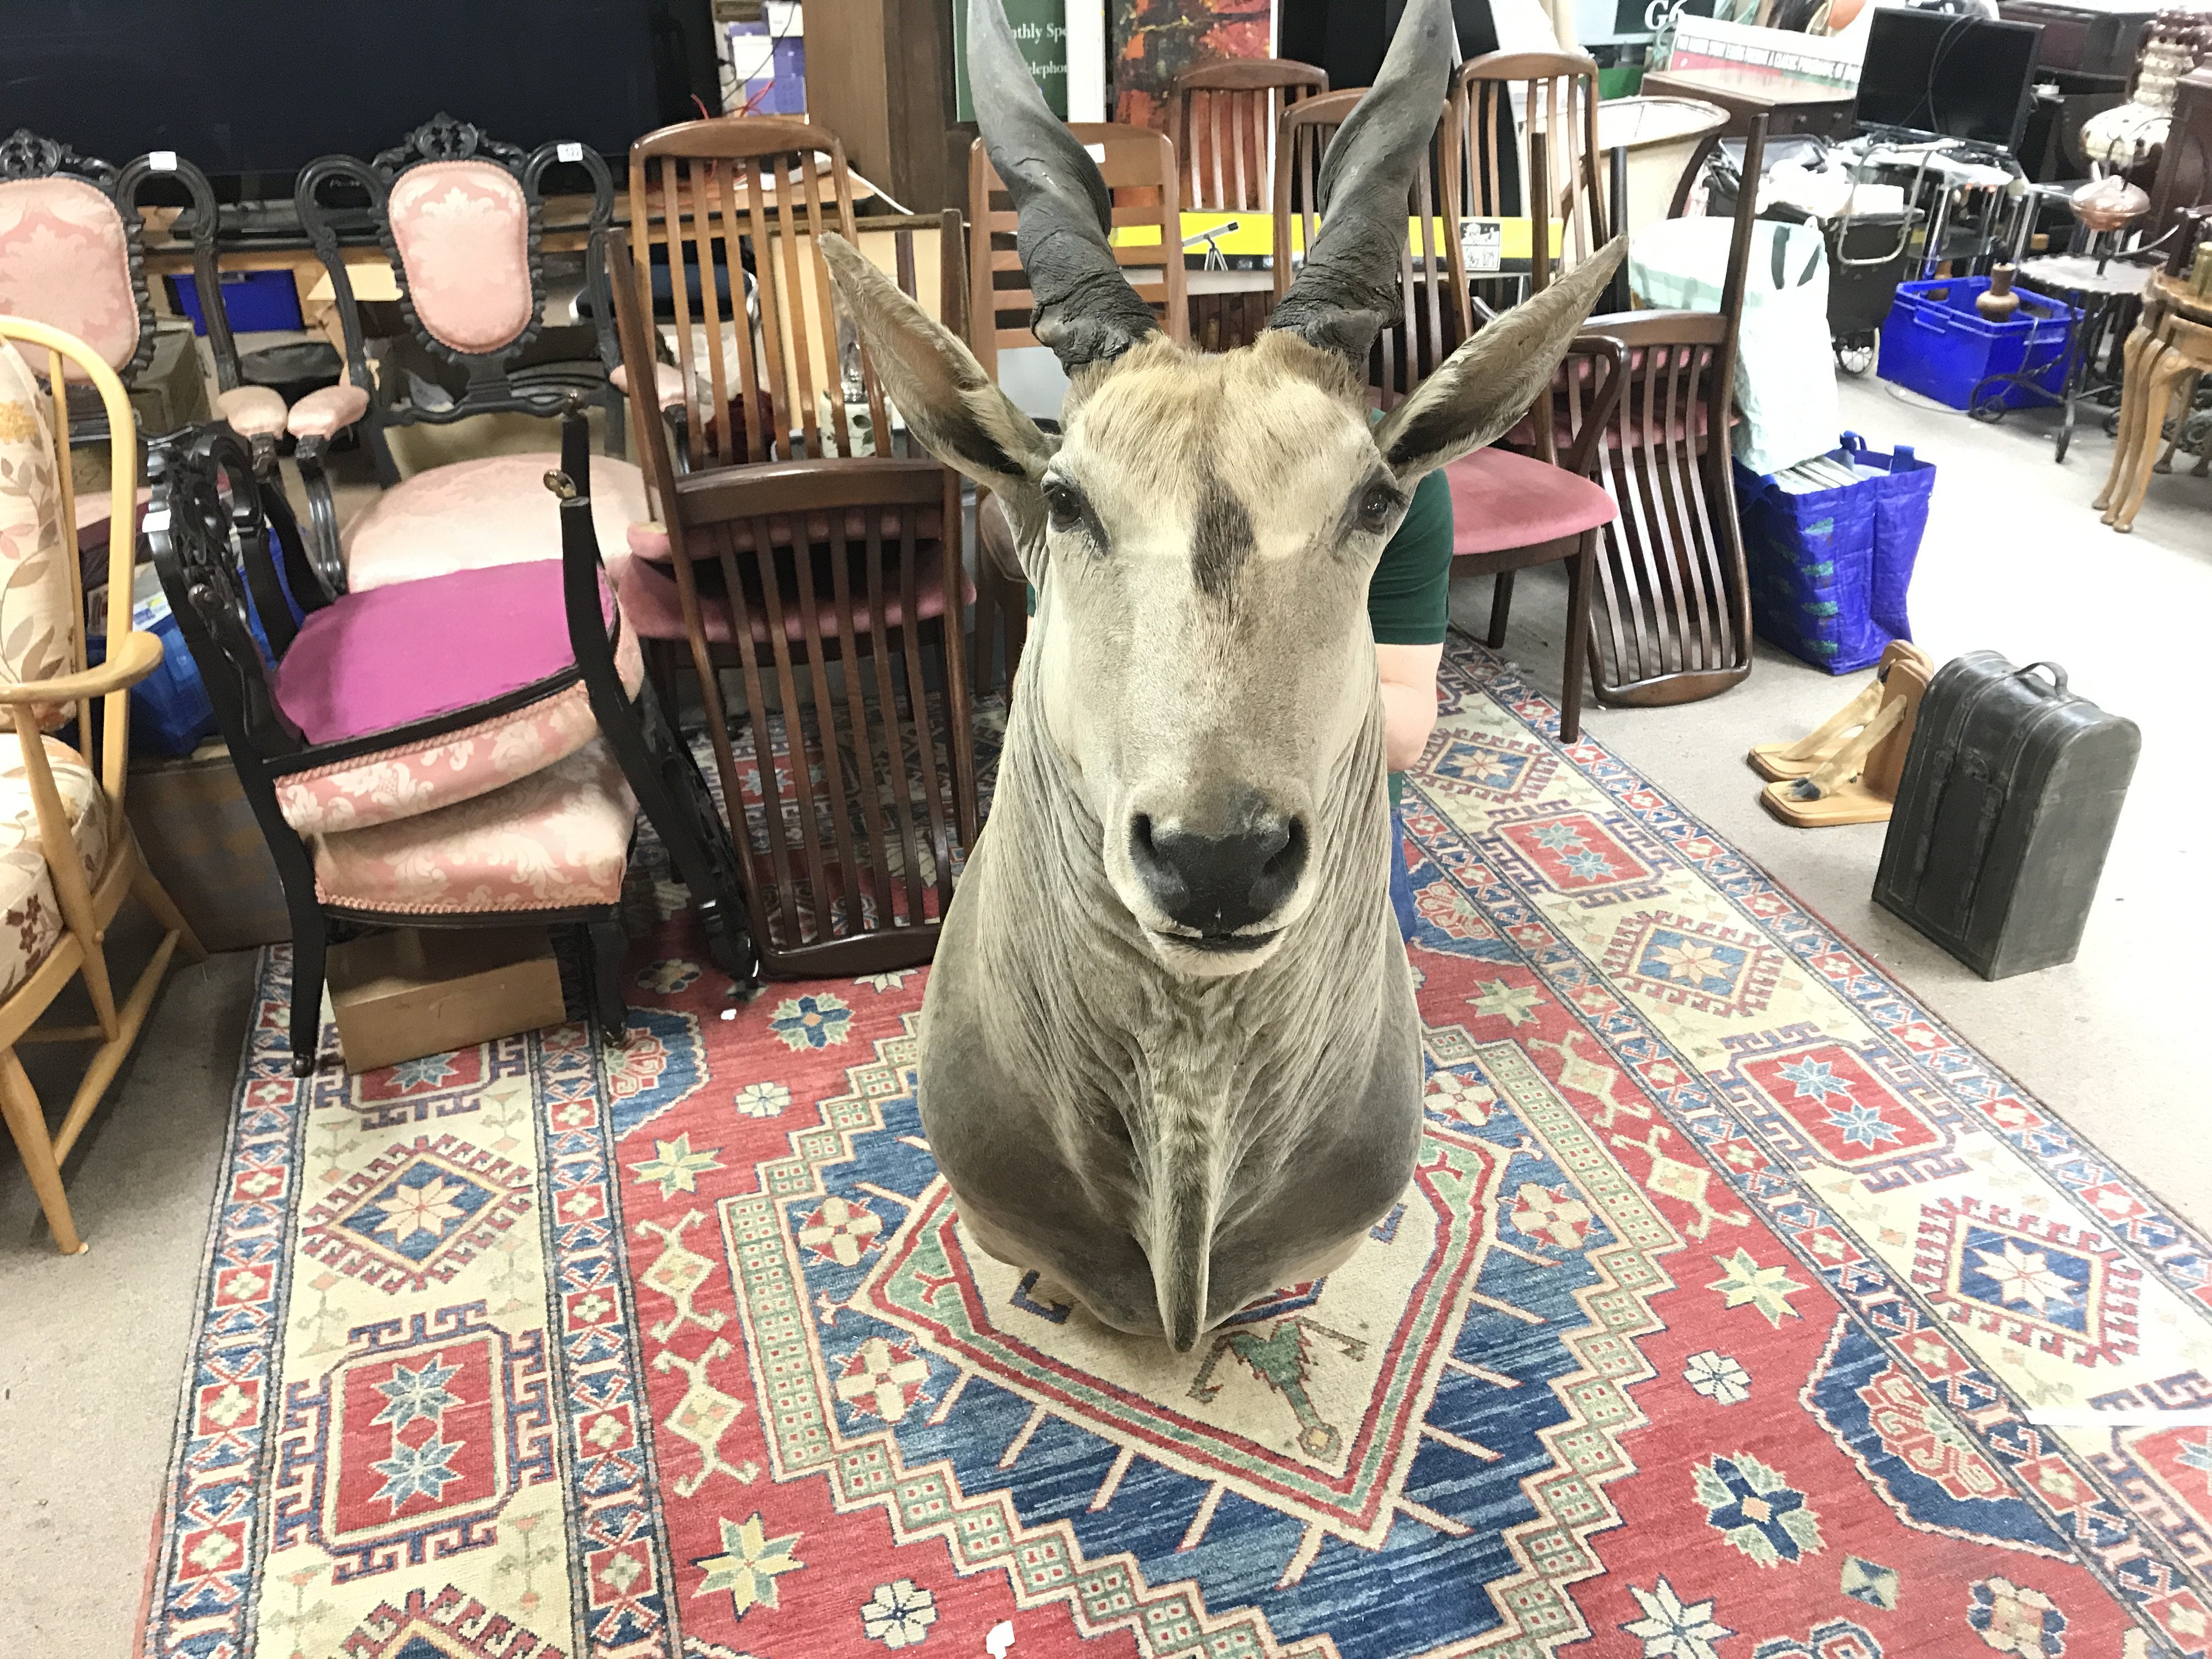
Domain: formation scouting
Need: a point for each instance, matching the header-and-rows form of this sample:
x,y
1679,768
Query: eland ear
x,y
1479,392
949,405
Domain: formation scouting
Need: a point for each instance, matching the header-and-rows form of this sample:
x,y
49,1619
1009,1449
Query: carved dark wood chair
x,y
1223,117
830,587
460,216
1430,323
410,766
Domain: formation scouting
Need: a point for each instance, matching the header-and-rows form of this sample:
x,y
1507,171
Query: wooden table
x,y
1790,104
2169,350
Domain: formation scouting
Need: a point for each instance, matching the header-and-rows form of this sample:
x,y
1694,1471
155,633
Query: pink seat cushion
x,y
1502,501
649,540
373,661
495,510
651,605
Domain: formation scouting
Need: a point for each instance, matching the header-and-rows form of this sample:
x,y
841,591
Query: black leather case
x,y
2012,789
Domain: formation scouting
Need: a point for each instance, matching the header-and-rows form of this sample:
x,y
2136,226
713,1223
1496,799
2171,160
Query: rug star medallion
x,y
1720,1319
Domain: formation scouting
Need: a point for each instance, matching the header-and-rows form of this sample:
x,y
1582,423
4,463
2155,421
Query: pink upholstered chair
x,y
460,216
409,764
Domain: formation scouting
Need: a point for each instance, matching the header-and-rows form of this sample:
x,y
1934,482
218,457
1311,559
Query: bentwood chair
x,y
1140,171
1430,324
461,217
466,750
830,587
67,855
1223,117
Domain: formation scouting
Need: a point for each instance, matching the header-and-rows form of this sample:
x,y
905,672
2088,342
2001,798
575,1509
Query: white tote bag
x,y
1786,377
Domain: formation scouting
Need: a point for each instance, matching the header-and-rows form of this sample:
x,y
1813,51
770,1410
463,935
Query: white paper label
x,y
786,19
1482,242
570,151
1096,153
162,161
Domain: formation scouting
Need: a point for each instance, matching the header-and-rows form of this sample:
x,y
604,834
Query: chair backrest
x,y
71,253
1431,321
735,206
1139,166
461,217
1223,117
1510,106
42,612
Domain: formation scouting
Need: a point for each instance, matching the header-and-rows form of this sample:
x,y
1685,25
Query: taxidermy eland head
x,y
1202,531
1169,1056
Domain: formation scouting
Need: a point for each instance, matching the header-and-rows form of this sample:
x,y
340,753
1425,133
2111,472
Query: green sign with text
x,y
1040,25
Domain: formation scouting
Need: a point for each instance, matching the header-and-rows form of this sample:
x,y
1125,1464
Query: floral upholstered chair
x,y
410,764
67,855
461,218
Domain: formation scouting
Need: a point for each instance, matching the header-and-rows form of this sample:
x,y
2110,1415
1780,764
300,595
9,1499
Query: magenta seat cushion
x,y
1502,501
393,655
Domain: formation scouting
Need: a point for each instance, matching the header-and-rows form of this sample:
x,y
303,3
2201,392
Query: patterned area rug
x,y
1737,1310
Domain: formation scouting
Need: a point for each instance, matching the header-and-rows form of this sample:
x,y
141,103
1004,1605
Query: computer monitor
x,y
1963,77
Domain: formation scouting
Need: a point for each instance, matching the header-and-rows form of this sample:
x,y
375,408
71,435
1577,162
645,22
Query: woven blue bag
x,y
1831,569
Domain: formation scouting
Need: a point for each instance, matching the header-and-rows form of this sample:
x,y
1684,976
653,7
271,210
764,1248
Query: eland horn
x,y
1350,283
1085,310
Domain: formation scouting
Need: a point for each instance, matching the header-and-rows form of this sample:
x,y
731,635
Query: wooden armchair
x,y
67,855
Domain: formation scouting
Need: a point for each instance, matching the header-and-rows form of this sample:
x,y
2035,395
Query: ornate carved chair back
x,y
848,777
1520,111
461,216
1139,169
733,207
72,256
1223,117
1430,321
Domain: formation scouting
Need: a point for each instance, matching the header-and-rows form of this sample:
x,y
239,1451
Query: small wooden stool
x,y
2170,348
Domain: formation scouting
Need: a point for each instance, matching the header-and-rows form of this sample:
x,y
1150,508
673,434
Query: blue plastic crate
x,y
1934,342
257,302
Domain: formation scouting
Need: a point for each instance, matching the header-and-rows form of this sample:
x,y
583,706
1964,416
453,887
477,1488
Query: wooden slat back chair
x,y
833,586
1223,118
1516,112
737,204
1430,323
1139,167
1672,617
67,855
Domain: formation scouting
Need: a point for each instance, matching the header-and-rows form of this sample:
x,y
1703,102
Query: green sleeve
x,y
1409,597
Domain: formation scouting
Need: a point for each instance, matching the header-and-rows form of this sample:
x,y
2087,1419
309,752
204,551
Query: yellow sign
x,y
1491,244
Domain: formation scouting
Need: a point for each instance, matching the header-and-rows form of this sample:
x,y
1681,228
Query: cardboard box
x,y
203,845
408,991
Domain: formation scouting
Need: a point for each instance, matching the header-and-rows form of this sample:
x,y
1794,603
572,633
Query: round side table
x,y
2102,292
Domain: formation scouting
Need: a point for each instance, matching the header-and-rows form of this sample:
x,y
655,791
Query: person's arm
x,y
1409,699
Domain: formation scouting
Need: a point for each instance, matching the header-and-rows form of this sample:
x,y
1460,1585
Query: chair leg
x,y
27,1123
310,943
605,945
1581,576
1501,609
149,892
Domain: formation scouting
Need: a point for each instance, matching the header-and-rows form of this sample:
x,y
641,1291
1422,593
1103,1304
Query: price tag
x,y
1482,243
568,152
162,161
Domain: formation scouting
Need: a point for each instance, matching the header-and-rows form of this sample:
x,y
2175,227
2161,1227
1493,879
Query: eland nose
x,y
1217,884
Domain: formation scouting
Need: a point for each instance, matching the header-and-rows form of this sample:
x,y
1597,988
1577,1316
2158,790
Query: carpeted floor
x,y
1714,1326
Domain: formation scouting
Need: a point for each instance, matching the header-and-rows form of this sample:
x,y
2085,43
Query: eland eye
x,y
1378,503
1063,504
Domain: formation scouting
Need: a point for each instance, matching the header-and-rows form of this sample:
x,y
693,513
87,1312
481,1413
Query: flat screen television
x,y
253,90
1965,78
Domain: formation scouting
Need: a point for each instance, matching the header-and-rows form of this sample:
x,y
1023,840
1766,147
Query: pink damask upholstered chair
x,y
71,257
67,856
410,764
460,216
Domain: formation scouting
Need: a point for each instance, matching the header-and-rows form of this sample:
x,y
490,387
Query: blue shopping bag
x,y
1831,569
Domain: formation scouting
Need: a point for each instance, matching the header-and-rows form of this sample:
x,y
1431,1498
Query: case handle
x,y
2058,675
